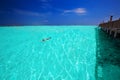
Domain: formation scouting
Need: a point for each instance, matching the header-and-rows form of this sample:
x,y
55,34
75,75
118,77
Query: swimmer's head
x,y
43,39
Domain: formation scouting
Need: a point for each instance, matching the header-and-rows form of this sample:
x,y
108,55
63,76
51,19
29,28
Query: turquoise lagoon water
x,y
70,54
107,56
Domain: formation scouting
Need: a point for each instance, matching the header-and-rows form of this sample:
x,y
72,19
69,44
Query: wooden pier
x,y
111,27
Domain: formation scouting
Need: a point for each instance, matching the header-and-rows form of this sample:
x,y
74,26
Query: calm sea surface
x,y
53,53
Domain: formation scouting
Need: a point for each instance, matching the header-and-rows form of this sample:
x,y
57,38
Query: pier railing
x,y
111,27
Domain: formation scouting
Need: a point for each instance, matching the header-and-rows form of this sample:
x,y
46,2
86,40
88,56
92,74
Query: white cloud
x,y
80,10
77,11
30,13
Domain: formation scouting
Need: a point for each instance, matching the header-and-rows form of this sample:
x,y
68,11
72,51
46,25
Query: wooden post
x,y
110,32
111,18
115,33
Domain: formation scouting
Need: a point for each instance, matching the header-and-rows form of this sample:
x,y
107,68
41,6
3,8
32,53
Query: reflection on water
x,y
107,57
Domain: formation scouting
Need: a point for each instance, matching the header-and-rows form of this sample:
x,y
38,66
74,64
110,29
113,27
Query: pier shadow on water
x,y
107,57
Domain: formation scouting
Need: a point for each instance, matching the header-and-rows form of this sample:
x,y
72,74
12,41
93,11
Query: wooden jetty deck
x,y
111,27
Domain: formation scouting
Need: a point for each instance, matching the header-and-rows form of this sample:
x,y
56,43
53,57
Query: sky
x,y
57,12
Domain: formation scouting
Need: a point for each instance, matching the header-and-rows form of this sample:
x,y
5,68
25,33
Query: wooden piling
x,y
111,27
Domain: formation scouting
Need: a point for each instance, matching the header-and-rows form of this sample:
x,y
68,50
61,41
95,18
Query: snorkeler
x,y
46,39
